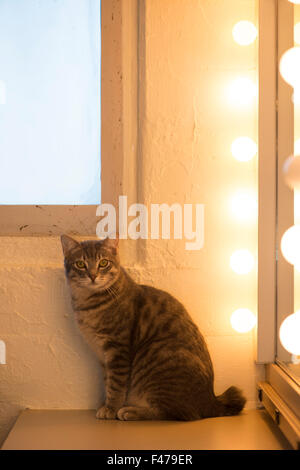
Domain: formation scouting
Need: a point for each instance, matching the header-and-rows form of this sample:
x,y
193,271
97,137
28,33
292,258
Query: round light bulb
x,y
297,33
289,66
244,33
296,2
241,261
243,149
291,171
243,320
290,246
289,333
244,205
242,91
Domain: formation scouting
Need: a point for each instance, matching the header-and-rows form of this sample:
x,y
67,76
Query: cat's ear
x,y
68,244
111,242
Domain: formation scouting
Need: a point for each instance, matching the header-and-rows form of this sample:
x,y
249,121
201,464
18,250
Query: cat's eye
x,y
103,263
80,264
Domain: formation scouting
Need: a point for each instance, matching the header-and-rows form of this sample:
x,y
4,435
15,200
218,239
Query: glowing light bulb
x,y
244,33
297,33
241,261
244,205
296,2
242,91
291,171
289,66
243,149
243,320
290,246
289,333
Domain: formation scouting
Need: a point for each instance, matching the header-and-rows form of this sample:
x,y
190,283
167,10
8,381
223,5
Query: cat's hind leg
x,y
135,413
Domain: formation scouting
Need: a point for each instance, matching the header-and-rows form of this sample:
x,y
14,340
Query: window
x,y
50,95
118,134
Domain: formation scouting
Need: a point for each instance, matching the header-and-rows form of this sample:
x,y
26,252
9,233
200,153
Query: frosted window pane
x,y
50,101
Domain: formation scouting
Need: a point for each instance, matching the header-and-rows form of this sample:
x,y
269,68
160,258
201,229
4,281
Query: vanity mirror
x,y
279,214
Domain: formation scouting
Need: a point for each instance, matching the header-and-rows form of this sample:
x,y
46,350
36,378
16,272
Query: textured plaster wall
x,y
187,126
190,59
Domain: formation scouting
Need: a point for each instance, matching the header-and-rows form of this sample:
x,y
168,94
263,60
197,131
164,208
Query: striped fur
x,y
155,360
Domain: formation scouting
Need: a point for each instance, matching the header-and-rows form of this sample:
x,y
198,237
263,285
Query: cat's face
x,y
91,264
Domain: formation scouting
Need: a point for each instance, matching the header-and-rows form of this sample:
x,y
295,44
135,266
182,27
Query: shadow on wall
x,y
8,416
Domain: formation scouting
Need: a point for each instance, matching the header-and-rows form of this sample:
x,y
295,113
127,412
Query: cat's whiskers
x,y
111,292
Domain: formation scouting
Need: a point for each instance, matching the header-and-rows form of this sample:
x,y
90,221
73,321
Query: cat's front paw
x,y
105,412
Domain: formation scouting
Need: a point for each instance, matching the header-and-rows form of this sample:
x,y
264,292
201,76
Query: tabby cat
x,y
155,361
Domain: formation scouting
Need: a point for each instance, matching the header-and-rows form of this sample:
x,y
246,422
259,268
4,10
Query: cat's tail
x,y
231,402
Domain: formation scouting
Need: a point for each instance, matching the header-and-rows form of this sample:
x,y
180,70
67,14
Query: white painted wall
x,y
187,130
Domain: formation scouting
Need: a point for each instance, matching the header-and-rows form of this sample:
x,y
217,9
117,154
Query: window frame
x,y
119,75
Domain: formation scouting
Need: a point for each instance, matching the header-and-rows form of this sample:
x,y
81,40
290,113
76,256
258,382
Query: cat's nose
x,y
93,276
